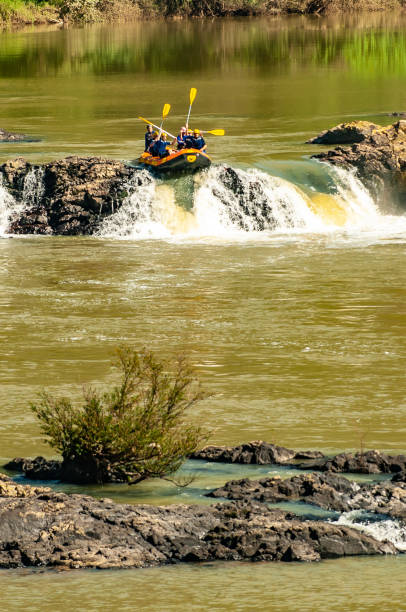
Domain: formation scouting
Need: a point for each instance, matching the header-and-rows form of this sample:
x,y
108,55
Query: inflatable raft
x,y
185,160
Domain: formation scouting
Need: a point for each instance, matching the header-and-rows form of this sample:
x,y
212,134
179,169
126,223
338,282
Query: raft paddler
x,y
160,146
149,137
198,141
189,140
179,141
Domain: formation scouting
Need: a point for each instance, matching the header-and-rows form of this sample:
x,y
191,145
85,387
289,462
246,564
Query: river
x,y
298,328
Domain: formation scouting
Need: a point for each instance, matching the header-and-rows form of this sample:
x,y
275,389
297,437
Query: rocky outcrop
x,y
327,491
256,452
369,462
67,197
377,153
345,133
42,528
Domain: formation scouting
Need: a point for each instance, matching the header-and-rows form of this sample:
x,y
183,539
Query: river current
x,y
296,326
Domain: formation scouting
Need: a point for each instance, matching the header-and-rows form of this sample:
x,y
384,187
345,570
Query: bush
x,y
133,432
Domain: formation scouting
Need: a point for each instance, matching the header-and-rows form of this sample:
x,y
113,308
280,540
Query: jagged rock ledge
x,y
263,453
377,153
43,528
327,491
70,196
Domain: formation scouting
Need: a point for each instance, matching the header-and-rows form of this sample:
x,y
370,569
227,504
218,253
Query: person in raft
x,y
160,146
179,141
149,137
189,140
198,141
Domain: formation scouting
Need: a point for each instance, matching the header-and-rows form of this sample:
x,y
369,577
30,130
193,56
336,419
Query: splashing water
x,y
34,187
378,526
8,206
149,211
228,202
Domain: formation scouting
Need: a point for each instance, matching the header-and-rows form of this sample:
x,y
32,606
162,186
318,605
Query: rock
x,y
255,452
70,196
369,462
66,471
399,477
345,133
327,491
379,156
43,528
6,136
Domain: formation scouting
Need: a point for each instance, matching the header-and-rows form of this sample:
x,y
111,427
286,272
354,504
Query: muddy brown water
x,y
300,333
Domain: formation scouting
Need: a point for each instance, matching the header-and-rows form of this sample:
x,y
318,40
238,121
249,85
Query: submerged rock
x,y
67,197
327,491
6,136
42,528
256,452
377,153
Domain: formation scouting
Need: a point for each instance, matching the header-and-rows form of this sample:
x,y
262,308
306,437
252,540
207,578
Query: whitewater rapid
x,y
229,203
226,203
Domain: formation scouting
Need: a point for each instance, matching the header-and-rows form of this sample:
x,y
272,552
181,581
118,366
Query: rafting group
x,y
185,152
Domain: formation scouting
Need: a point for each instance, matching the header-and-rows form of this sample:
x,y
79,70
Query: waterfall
x,y
226,202
7,207
149,211
34,188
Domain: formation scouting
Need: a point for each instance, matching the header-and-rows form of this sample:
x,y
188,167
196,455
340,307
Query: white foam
x,y
7,206
378,527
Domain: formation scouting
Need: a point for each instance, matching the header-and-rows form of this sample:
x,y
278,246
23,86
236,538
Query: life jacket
x,y
198,143
189,141
180,142
160,148
148,139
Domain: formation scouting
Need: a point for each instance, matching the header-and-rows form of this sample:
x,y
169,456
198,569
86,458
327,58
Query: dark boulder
x,y
255,452
36,469
369,462
43,528
345,133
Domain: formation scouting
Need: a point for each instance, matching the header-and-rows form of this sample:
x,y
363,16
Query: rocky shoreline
x,y
43,528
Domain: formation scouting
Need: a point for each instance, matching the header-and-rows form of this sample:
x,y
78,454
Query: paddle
x,y
192,96
155,126
215,132
165,112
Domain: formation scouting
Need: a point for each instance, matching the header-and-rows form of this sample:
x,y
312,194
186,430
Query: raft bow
x,y
185,160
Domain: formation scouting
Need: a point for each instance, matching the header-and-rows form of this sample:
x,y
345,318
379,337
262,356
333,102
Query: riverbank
x,y
23,12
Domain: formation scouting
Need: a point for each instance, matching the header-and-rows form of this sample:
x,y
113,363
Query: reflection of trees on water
x,y
369,46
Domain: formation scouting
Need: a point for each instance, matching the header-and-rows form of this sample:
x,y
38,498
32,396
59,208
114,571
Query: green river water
x,y
299,331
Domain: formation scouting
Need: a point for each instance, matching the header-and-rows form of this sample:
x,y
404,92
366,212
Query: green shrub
x,y
133,432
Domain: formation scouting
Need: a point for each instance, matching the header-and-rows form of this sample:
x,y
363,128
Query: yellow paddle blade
x,y
216,132
193,93
145,120
166,109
